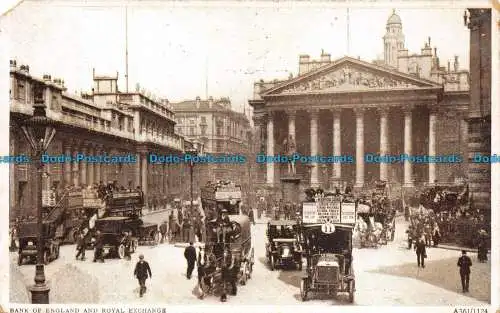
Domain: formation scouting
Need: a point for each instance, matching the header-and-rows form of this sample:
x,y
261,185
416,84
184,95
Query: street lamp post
x,y
192,152
39,131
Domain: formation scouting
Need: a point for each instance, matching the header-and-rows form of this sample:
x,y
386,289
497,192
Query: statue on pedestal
x,y
290,149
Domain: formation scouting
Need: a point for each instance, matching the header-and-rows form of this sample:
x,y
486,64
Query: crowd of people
x,y
462,228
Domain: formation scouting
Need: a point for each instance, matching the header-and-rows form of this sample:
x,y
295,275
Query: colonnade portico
x,y
359,158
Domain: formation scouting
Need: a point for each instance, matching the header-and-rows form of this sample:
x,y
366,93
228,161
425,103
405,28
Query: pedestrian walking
x,y
190,255
482,249
409,232
251,215
127,243
80,246
142,271
98,247
163,231
436,237
421,252
464,262
407,213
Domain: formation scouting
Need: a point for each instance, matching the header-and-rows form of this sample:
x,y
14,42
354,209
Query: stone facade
x,y
104,121
351,107
479,117
222,131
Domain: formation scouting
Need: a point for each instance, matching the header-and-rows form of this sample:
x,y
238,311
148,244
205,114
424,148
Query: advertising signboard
x,y
329,210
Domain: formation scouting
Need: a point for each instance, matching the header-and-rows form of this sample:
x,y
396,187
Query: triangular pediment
x,y
349,75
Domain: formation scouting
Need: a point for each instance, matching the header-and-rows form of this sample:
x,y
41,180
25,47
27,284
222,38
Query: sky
x,y
177,50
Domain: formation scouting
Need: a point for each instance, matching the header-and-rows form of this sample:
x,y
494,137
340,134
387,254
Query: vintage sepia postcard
x,y
198,156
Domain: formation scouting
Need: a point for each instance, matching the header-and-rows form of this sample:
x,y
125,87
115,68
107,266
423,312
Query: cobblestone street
x,y
384,276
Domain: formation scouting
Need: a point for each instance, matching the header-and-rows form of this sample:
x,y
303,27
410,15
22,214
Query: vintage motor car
x,y
329,261
113,229
28,242
283,246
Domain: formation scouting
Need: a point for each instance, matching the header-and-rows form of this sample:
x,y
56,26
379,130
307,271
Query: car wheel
x,y
303,289
121,251
46,257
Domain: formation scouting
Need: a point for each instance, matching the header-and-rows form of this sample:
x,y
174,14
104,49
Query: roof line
x,y
338,61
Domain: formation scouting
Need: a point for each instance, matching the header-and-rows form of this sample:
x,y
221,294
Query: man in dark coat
x,y
127,242
80,246
142,271
421,253
98,247
190,255
163,231
464,262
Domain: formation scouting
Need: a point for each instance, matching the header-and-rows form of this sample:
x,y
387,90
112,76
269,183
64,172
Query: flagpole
x,y
126,48
348,34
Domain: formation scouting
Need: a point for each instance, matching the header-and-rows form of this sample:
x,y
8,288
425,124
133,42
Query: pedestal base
x,y
40,294
290,189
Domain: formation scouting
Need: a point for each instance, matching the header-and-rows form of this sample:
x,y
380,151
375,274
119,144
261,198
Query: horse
x,y
207,272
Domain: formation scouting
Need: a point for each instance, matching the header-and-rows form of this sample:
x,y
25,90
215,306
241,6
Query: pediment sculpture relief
x,y
349,78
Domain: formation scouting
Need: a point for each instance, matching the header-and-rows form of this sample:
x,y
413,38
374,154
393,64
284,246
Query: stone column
x,y
259,122
291,122
314,114
270,149
99,167
407,180
137,171
90,169
432,144
76,166
464,127
144,175
384,142
360,148
83,168
67,165
13,190
164,178
337,144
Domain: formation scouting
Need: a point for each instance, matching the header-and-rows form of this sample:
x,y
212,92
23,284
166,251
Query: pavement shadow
x,y
444,274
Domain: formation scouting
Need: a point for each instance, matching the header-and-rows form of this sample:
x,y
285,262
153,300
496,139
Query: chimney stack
x,y
47,78
210,102
198,102
13,64
456,64
449,67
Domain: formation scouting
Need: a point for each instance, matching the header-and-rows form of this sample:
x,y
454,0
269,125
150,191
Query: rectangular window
x,y
21,93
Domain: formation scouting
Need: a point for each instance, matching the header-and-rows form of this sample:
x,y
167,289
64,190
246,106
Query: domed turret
x,y
393,39
394,18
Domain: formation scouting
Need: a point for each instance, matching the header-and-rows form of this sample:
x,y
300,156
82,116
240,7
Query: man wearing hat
x,y
482,247
142,272
464,262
